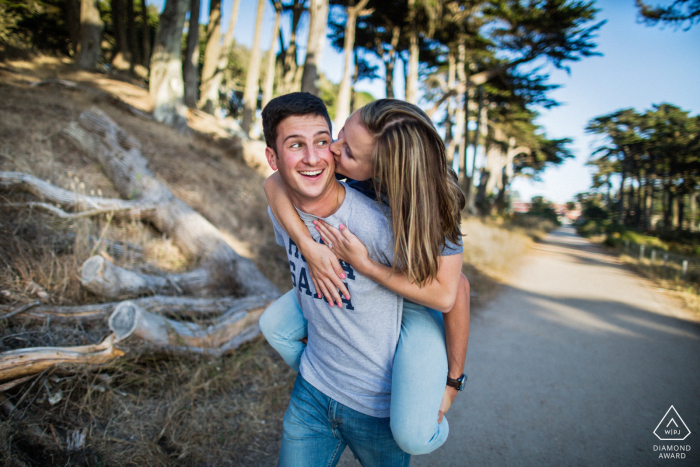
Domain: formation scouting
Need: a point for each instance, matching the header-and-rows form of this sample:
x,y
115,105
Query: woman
x,y
393,144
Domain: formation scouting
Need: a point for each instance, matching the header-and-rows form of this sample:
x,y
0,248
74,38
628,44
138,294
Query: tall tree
x,y
166,84
352,11
131,34
214,65
318,21
272,56
290,68
252,86
191,65
146,35
121,59
91,26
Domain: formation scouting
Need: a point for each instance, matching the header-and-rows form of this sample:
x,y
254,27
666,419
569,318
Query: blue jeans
x,y
418,376
317,429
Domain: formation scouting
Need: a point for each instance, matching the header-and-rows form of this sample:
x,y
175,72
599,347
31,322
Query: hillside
x,y
145,408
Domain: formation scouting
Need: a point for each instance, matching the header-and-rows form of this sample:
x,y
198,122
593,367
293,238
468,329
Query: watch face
x,y
462,382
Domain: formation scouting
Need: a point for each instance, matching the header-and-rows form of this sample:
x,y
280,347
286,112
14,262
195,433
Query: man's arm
x,y
325,271
457,339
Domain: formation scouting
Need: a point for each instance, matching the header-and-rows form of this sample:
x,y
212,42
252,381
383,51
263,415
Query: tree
x,y
271,56
166,85
216,57
252,86
90,35
121,59
191,65
676,14
352,11
318,21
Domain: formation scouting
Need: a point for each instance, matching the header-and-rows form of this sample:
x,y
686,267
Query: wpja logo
x,y
672,428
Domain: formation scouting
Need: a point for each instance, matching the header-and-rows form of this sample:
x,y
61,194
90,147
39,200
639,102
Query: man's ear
x,y
271,157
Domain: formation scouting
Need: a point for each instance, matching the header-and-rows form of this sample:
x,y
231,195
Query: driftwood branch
x,y
224,333
23,362
107,280
120,157
170,306
21,309
129,212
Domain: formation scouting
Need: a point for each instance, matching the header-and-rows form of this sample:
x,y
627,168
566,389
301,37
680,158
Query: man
x,y
342,393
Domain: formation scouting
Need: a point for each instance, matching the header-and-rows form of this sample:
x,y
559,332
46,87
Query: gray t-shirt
x,y
350,351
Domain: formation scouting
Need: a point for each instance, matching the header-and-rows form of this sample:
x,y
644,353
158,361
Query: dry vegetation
x,y
146,408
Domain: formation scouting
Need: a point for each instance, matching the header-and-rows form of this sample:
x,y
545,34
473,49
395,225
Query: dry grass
x,y
145,408
492,249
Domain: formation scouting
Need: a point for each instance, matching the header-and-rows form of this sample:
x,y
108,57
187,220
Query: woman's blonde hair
x,y
411,172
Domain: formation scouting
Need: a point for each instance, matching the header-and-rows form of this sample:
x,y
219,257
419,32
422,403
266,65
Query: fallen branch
x,y
21,309
120,157
224,332
171,306
22,362
130,212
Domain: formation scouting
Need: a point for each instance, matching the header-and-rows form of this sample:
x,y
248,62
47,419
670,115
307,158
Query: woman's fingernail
x,y
341,226
347,297
342,276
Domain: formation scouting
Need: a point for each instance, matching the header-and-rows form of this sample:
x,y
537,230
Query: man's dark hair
x,y
293,104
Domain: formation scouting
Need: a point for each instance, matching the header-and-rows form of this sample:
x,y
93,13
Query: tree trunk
x,y
680,214
191,65
479,134
209,94
342,108
693,212
73,24
412,74
209,102
621,206
122,56
269,85
90,35
166,83
132,36
450,141
22,362
146,33
252,84
389,59
119,155
318,21
290,55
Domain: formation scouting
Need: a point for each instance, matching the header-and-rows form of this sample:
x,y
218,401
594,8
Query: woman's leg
x,y
283,325
418,381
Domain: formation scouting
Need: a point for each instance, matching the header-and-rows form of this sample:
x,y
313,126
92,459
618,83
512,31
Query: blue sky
x,y
640,66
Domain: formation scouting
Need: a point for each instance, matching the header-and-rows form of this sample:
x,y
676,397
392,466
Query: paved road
x,y
575,363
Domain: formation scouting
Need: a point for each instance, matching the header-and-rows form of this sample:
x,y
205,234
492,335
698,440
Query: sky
x,y
640,66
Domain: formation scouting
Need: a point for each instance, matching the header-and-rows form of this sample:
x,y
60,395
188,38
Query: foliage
x,y
658,152
539,207
676,14
36,24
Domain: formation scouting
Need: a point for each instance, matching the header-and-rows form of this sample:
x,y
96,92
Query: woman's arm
x,y
439,294
324,268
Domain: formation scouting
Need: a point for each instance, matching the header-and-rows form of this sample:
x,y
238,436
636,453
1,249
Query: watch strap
x,y
458,383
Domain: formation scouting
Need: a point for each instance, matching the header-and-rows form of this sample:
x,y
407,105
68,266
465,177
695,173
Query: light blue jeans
x,y
317,429
419,371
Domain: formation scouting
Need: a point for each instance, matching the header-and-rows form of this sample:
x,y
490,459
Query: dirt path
x,y
575,363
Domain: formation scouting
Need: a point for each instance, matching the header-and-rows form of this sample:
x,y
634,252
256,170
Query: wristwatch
x,y
458,383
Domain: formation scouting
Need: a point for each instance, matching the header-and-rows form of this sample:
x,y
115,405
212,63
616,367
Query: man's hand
x,y
447,398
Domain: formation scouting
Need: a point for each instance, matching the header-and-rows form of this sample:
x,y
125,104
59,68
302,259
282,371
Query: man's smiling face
x,y
303,157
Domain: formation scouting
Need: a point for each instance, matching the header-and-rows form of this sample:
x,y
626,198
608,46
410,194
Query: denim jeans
x,y
317,429
418,376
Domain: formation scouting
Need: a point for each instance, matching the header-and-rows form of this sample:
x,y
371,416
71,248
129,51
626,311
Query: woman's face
x,y
353,150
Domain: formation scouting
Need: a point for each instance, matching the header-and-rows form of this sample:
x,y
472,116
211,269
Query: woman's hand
x,y
326,273
345,245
